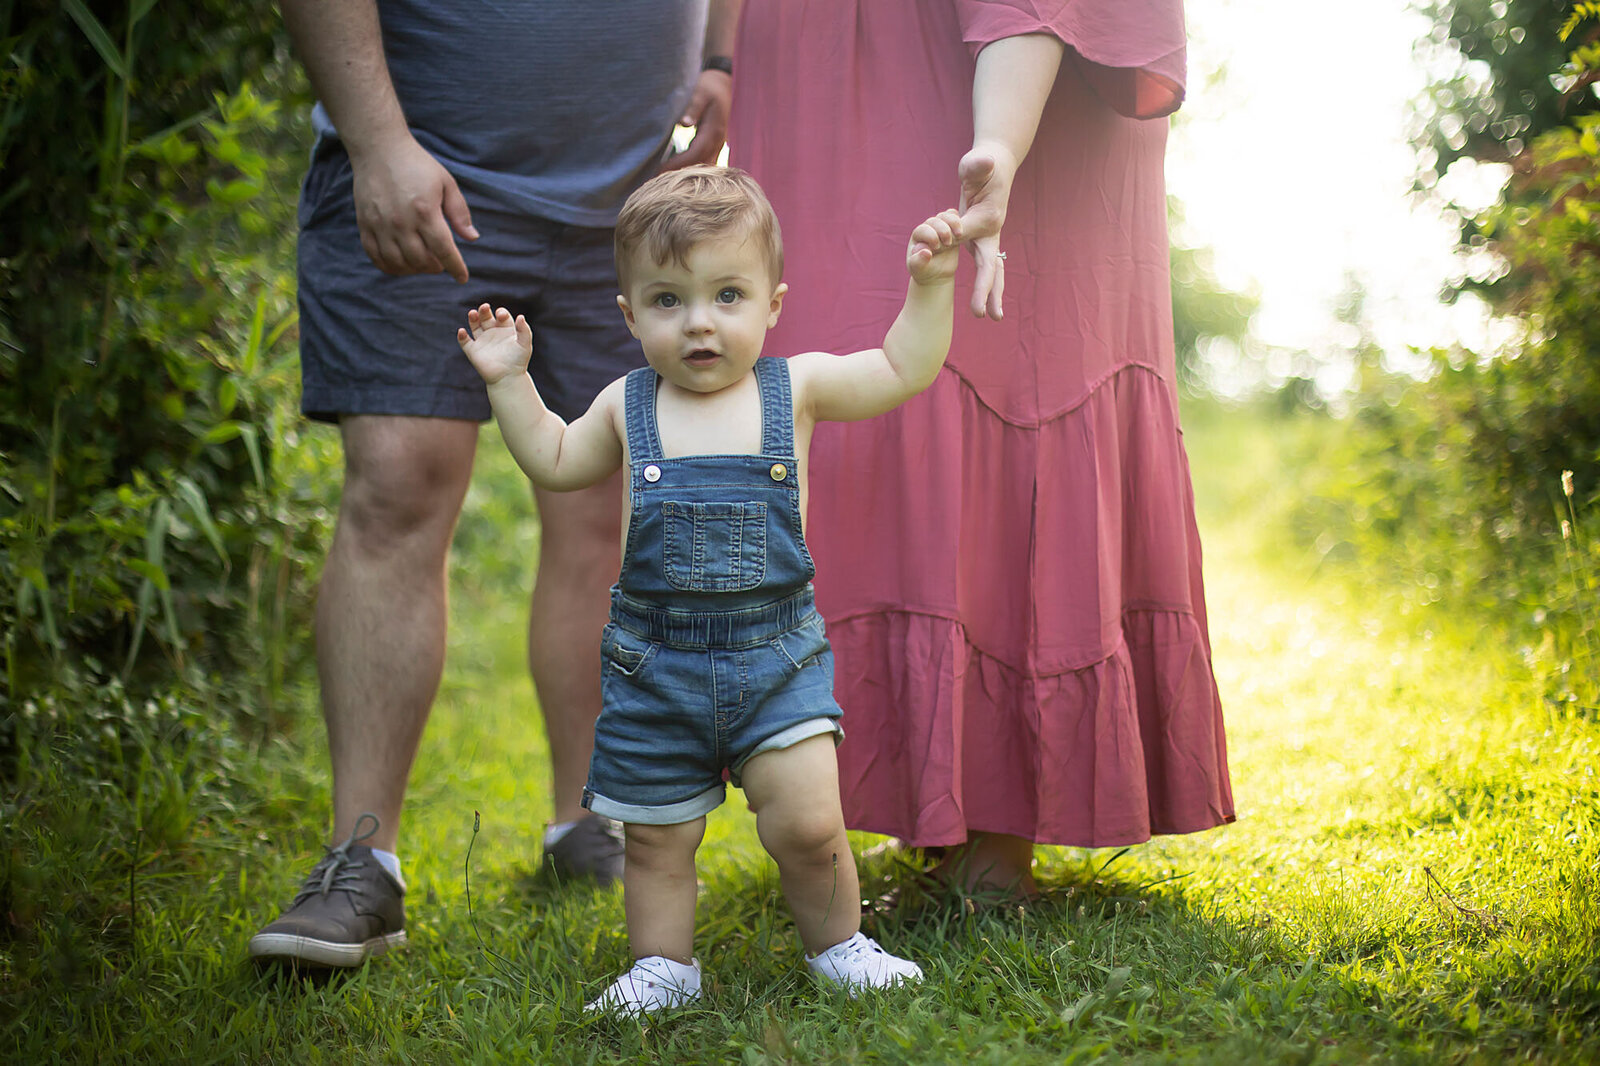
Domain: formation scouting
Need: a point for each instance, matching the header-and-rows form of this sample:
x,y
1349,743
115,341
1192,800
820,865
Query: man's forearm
x,y
341,45
722,27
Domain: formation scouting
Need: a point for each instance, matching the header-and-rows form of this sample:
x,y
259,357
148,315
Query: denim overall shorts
x,y
715,651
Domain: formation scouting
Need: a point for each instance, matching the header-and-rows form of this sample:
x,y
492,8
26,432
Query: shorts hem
x,y
668,814
321,404
788,738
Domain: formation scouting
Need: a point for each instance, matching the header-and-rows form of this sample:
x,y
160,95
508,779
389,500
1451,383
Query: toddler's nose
x,y
698,320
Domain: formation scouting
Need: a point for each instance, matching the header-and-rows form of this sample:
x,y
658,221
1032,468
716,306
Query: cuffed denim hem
x,y
788,738
670,814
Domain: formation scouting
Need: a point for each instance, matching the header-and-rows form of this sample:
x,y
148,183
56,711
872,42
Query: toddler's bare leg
x,y
795,794
658,888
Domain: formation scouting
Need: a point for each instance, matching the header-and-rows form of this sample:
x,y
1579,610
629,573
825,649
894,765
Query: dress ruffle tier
x,y
1053,679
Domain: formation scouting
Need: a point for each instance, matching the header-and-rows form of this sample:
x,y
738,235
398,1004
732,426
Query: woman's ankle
x,y
990,862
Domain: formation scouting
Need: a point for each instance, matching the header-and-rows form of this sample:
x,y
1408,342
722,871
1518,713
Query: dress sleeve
x,y
1131,51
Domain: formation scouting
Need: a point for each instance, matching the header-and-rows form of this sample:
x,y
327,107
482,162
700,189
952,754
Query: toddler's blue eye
x,y
729,295
666,299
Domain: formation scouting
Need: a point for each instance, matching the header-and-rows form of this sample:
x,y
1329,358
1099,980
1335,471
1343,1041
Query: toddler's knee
x,y
662,846
808,836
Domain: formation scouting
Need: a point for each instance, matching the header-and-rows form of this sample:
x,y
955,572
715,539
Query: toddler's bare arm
x,y
552,453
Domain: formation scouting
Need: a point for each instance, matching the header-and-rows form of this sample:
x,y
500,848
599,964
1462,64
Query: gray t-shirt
x,y
558,107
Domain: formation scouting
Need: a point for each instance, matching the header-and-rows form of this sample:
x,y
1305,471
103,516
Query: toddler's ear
x,y
627,314
777,304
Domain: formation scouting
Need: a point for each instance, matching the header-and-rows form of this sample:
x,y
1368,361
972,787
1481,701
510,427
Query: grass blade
x,y
96,32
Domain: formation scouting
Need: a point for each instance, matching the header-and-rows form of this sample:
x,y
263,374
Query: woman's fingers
x,y
997,290
989,284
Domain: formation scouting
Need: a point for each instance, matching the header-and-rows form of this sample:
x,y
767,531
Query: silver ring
x,y
999,255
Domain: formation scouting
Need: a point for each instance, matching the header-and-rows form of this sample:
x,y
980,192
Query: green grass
x,y
1413,877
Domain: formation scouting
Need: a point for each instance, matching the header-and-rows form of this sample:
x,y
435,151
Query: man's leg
x,y
581,345
579,553
380,631
380,622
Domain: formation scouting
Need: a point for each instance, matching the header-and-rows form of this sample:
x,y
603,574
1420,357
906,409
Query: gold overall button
x,y
652,473
779,471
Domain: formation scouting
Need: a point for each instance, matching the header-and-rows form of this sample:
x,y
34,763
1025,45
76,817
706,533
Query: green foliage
x,y
149,513
1499,96
1479,487
160,519
1510,81
1203,309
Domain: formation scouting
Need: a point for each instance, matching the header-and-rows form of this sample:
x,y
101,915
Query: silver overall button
x,y
652,473
779,471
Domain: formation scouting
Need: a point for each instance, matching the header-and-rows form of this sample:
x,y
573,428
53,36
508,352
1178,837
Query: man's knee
x,y
583,527
404,479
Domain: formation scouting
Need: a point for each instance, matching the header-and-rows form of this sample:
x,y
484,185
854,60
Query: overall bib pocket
x,y
714,547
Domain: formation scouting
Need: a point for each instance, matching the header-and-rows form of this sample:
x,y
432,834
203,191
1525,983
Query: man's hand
x,y
497,346
931,254
985,174
708,113
407,204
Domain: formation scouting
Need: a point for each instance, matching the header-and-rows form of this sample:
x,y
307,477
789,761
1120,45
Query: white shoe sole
x,y
269,946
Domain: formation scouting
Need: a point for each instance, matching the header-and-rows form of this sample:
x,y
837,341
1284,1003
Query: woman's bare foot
x,y
990,863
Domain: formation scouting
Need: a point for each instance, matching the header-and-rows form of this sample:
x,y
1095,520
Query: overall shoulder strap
x,y
777,406
644,441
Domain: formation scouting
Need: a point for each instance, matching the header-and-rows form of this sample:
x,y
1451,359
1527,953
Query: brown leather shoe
x,y
347,911
593,848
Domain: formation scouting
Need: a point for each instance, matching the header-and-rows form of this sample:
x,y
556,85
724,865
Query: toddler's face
x,y
702,324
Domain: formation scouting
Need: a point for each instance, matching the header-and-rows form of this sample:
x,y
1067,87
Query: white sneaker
x,y
860,963
654,983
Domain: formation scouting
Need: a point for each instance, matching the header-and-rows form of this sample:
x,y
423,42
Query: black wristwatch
x,y
722,63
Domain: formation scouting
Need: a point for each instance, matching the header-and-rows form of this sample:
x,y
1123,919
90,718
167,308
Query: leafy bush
x,y
148,499
160,518
1481,484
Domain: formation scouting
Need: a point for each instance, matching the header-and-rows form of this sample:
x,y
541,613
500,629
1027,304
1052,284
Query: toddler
x,y
714,658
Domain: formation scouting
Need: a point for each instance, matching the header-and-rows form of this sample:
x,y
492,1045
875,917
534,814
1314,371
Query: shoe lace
x,y
860,947
336,870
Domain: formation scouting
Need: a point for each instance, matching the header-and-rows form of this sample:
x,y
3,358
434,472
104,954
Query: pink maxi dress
x,y
1008,564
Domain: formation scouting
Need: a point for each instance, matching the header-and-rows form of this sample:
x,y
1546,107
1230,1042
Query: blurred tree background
x,y
1477,485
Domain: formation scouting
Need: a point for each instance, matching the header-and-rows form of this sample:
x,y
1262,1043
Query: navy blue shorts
x,y
678,713
371,343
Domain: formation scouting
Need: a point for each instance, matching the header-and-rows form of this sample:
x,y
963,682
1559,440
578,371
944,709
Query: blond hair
x,y
672,212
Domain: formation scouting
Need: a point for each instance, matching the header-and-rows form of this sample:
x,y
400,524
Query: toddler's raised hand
x,y
497,345
931,255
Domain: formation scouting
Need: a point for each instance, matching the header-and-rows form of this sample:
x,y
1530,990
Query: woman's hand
x,y
985,174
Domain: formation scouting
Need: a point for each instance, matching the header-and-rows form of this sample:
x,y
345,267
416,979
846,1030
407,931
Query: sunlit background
x,y
1291,162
